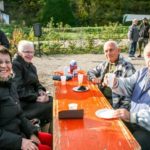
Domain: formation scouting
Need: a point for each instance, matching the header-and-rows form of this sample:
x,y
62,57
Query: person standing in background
x,y
3,40
133,35
144,31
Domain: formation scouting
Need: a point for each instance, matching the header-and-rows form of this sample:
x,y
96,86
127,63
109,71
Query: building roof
x,y
130,17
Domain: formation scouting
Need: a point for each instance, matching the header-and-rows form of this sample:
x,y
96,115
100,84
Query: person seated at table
x,y
116,64
33,97
137,88
16,131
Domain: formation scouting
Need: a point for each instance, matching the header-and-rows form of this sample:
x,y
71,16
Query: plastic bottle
x,y
73,67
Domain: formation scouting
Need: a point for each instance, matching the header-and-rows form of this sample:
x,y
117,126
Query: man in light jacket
x,y
137,88
114,63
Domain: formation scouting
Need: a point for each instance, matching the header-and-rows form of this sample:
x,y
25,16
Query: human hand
x,y
42,99
35,139
122,114
28,144
109,80
41,92
96,80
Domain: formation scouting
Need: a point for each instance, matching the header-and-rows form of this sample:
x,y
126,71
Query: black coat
x,y
3,40
13,124
26,79
144,30
28,86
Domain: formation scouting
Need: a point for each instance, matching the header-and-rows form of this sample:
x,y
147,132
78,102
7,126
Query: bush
x,y
79,40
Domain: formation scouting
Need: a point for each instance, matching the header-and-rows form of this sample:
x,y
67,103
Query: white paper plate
x,y
76,89
105,113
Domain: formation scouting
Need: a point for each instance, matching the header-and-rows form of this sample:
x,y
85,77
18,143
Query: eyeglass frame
x,y
29,52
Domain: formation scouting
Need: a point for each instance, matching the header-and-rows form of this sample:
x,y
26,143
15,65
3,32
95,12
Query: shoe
x,y
131,56
139,56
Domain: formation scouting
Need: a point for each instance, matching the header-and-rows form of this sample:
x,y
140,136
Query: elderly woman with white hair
x,y
34,100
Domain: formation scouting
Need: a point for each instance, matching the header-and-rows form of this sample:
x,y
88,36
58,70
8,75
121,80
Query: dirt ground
x,y
46,65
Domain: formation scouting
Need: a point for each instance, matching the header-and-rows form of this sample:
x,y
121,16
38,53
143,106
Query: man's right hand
x,y
28,145
96,80
109,80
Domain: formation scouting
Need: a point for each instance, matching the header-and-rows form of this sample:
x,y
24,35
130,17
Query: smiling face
x,y
27,54
111,52
5,66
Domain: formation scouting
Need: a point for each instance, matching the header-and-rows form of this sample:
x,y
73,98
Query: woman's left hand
x,y
35,139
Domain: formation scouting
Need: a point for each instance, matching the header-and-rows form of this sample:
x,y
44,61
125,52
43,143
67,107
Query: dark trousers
x,y
42,111
132,48
142,42
141,135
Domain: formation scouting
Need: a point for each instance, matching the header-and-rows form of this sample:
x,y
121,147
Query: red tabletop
x,y
91,132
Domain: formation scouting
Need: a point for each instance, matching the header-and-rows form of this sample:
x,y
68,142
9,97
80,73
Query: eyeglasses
x,y
29,52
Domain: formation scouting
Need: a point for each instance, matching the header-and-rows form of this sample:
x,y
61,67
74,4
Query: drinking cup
x,y
80,79
63,80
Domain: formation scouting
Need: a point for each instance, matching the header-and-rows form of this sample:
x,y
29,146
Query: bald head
x,y
111,51
135,21
112,43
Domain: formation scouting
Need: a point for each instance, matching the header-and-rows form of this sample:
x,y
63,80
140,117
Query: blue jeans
x,y
132,48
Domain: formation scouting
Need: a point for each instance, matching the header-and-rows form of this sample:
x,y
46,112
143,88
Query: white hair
x,y
23,44
111,43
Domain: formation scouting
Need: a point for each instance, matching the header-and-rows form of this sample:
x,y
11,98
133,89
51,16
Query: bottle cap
x,y
73,62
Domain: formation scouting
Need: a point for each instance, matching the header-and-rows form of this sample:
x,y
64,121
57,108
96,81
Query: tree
x,y
74,12
24,11
60,10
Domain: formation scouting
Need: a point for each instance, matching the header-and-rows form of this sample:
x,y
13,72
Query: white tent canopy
x,y
130,17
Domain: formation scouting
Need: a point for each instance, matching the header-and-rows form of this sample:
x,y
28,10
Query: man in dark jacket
x,y
133,35
143,35
34,100
3,40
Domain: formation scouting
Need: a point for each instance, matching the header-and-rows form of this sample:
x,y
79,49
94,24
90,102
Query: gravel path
x,y
46,65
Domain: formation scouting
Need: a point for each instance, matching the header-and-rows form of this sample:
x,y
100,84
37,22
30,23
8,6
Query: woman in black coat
x,y
34,100
16,132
